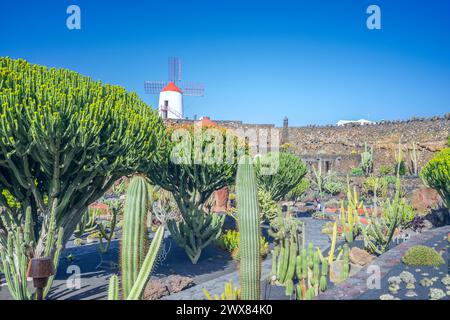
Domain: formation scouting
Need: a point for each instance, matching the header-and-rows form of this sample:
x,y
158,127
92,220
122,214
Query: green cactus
x,y
134,232
346,263
18,245
65,139
316,272
414,160
188,172
324,275
436,175
249,229
113,289
88,223
310,294
289,172
289,289
367,160
144,272
380,230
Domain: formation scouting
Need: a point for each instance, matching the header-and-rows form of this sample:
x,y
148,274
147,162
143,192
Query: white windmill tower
x,y
171,92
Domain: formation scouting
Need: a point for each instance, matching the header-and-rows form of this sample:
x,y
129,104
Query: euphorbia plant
x,y
436,174
64,140
199,160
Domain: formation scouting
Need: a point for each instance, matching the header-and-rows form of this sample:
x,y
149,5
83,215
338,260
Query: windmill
x,y
171,92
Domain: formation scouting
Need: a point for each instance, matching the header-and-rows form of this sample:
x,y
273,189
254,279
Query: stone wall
x,y
338,148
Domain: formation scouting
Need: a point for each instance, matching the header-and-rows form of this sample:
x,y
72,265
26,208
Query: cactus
x,y
379,231
134,238
143,274
230,293
310,294
249,228
346,263
65,140
333,244
414,160
316,273
323,277
87,224
18,245
367,160
192,177
289,287
290,170
113,289
349,218
436,174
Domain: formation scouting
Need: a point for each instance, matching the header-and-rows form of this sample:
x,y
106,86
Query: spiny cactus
x,y
346,263
414,160
249,229
144,272
134,233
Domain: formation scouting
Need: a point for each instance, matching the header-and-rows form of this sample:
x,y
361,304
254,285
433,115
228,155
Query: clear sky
x,y
313,61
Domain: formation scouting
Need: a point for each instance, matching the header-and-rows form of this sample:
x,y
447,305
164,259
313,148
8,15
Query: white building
x,y
360,122
171,102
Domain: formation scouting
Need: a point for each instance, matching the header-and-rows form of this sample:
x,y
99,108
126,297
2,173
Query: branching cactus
x,y
249,230
143,274
134,233
65,139
198,161
367,160
18,245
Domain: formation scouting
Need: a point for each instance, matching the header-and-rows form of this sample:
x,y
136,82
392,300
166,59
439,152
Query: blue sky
x,y
313,61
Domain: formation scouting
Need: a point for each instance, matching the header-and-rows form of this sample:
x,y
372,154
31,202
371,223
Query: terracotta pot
x,y
221,200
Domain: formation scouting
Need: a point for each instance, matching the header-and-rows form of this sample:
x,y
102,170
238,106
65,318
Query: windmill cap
x,y
172,87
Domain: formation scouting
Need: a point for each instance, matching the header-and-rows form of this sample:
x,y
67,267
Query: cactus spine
x,y
134,238
249,227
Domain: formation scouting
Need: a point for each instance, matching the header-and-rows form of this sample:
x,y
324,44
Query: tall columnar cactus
x,y
144,273
134,232
380,230
192,172
414,160
65,139
367,160
436,175
249,230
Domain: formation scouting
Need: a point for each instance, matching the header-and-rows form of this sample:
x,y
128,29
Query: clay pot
x,y
221,200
